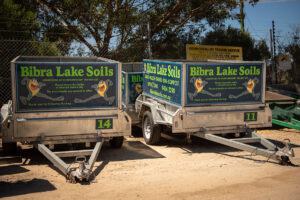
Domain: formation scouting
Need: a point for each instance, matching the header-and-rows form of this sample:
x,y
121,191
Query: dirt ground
x,y
171,170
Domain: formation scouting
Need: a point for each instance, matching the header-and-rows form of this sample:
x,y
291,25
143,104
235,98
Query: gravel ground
x,y
171,170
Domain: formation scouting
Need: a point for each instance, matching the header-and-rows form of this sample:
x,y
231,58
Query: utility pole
x,y
149,40
274,49
242,15
272,58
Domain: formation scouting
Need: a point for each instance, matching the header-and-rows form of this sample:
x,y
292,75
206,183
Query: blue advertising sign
x,y
163,80
124,87
224,83
42,86
135,86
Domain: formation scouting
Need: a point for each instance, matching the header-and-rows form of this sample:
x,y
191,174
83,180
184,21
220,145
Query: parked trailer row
x,y
59,100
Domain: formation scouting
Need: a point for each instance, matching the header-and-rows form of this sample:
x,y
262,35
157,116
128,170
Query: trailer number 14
x,y
104,123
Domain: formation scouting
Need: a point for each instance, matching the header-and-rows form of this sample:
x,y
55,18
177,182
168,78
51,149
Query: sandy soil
x,y
171,170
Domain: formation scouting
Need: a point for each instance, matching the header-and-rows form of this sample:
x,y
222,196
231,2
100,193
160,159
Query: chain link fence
x,y
10,49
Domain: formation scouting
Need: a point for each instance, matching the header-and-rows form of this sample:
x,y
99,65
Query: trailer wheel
x,y
9,148
151,132
116,142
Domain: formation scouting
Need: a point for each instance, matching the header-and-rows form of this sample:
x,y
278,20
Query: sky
x,y
258,21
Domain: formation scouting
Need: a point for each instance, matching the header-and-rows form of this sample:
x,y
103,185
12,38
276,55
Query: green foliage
x,y
293,48
115,28
173,46
23,20
45,48
94,21
263,49
119,24
17,20
234,37
24,30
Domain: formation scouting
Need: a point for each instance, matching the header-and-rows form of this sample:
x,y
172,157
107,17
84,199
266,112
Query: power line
x,y
253,28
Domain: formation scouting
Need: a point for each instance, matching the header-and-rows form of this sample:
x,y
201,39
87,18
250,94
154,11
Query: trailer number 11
x,y
250,116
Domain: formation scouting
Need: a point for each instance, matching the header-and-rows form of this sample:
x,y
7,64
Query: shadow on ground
x,y
200,145
12,169
8,189
281,145
131,150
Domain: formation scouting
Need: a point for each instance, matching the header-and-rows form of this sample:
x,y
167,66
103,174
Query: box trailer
x,y
60,100
207,99
132,87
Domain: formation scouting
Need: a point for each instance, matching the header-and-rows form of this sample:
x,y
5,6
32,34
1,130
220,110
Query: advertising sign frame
x,y
66,60
258,97
177,89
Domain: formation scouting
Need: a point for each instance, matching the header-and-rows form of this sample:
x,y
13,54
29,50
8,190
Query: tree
x,y
94,19
24,30
22,19
21,24
263,49
293,48
18,19
116,23
235,37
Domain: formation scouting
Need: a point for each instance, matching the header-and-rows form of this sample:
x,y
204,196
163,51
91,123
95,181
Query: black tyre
x,y
116,142
151,132
9,148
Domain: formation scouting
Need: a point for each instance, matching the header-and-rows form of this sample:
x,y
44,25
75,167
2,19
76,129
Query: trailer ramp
x,y
84,169
271,152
